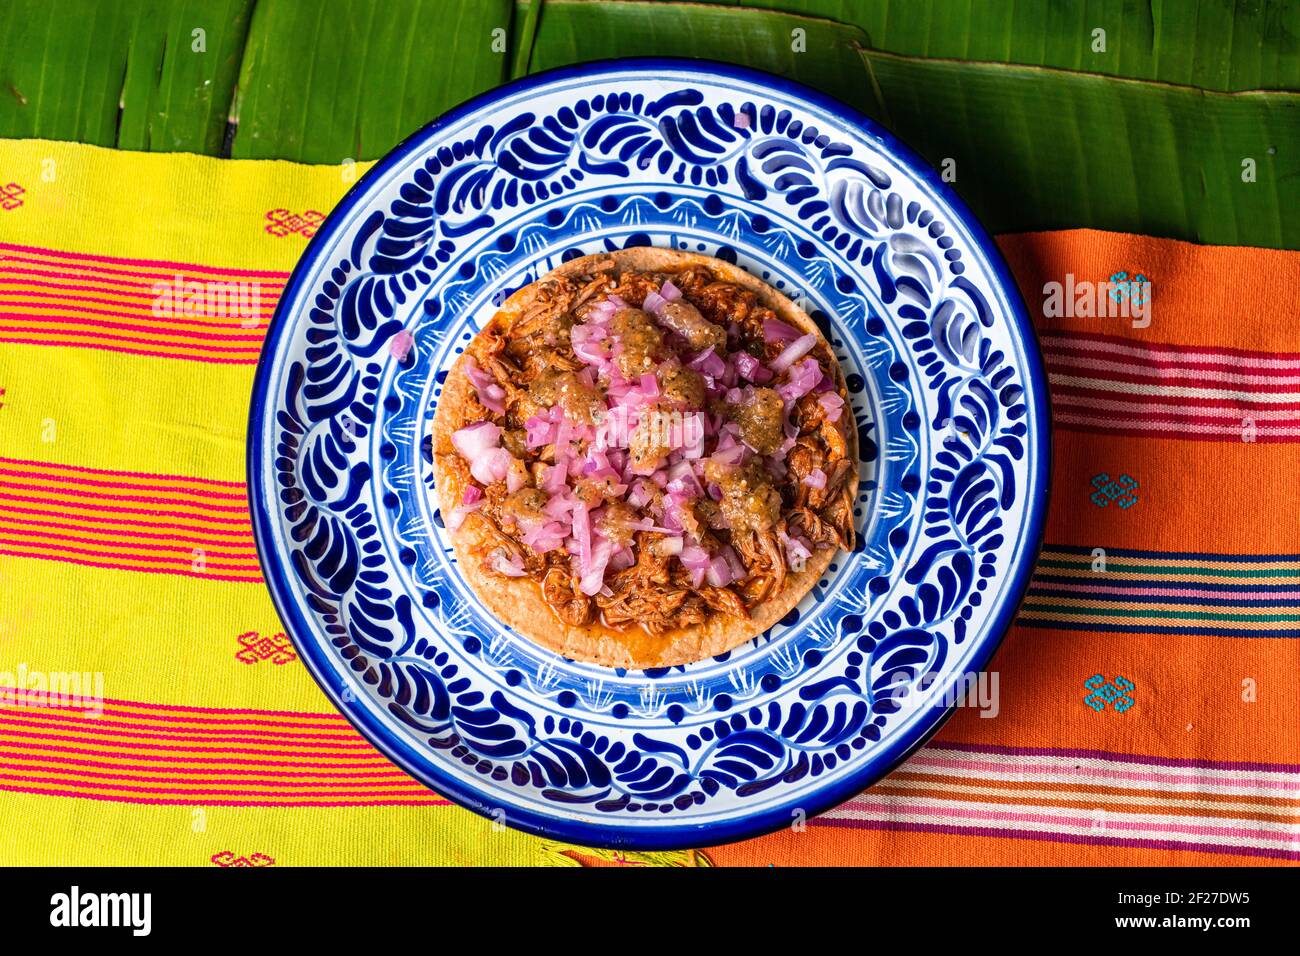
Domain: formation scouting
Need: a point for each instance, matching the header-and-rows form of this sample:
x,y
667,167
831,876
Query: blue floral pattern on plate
x,y
946,391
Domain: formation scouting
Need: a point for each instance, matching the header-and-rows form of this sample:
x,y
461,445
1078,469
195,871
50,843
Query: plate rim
x,y
629,835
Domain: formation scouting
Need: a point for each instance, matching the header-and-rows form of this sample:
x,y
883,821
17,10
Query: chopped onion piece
x,y
833,404
774,330
815,478
560,507
593,572
797,549
693,433
490,395
708,363
595,354
473,440
492,465
493,398
538,432
718,572
604,310
458,514
642,494
693,557
511,566
516,476
733,455
751,369
544,536
804,377
793,352
738,570
553,480
582,533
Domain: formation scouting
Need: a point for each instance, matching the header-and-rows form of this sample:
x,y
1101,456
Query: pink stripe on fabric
x,y
148,263
153,353
100,523
16,536
48,476
226,802
1075,838
11,329
249,546
114,566
317,749
221,792
1049,819
1102,343
1190,427
128,732
1198,410
28,499
1158,371
253,712
82,469
74,491
1186,762
60,551
924,759
185,773
377,761
1121,585
64,324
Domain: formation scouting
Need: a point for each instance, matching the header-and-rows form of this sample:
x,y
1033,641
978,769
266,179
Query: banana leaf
x,y
1043,149
324,82
821,53
125,74
1224,45
1034,148
132,73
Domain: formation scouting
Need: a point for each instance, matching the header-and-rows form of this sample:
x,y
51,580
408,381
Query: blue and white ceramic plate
x,y
947,392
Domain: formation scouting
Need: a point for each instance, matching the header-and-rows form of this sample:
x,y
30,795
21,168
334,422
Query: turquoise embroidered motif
x,y
1105,692
1120,490
1137,289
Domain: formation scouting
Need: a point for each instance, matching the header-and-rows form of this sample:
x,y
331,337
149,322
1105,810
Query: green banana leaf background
x,y
1169,117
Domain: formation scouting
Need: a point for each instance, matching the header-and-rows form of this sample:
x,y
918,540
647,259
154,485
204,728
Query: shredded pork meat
x,y
768,484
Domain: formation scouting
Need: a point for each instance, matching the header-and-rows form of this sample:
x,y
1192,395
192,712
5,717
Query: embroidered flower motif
x,y
1109,692
277,648
227,858
561,854
1137,289
1120,490
282,222
9,196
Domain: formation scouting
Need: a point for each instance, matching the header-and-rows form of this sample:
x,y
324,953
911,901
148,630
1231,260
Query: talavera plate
x,y
947,391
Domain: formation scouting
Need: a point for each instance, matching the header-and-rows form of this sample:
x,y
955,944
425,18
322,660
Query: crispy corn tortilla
x,y
518,602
